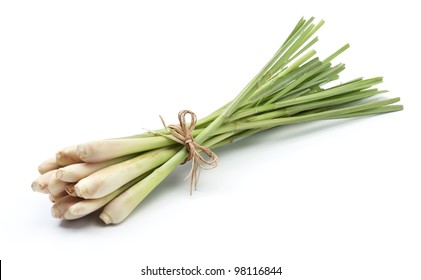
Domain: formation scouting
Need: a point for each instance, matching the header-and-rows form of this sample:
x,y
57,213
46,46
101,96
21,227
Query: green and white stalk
x,y
75,172
103,150
112,177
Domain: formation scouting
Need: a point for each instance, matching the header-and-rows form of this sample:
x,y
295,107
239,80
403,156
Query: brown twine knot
x,y
182,133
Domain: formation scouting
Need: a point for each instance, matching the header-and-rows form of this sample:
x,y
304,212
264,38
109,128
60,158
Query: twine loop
x,y
182,133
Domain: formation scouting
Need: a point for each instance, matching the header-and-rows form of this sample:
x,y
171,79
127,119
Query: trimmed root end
x,y
55,212
81,151
79,191
39,187
59,173
105,218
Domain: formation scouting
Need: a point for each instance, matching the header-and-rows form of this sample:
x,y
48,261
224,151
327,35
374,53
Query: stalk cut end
x,y
55,212
59,173
105,218
36,187
81,151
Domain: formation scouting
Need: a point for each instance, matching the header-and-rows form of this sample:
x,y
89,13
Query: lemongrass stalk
x,y
48,165
108,149
112,177
379,110
61,206
103,150
121,206
75,172
57,197
56,186
87,206
40,184
67,156
214,141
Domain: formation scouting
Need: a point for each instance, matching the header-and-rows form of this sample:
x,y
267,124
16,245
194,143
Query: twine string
x,y
182,133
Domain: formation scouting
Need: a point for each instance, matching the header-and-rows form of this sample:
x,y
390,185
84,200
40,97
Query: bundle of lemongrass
x,y
291,88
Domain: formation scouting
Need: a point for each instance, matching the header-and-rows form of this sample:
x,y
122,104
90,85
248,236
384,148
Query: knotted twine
x,y
182,133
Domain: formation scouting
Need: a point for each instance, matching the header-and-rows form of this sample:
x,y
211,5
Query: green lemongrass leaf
x,y
299,92
303,49
310,88
359,85
324,103
243,96
336,54
379,110
326,75
266,124
349,82
301,39
270,68
236,136
270,83
218,139
282,83
297,27
351,87
282,92
307,75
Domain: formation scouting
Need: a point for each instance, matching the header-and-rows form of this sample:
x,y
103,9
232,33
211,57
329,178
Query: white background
x,y
327,200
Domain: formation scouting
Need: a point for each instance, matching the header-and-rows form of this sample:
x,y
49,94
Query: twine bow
x,y
182,133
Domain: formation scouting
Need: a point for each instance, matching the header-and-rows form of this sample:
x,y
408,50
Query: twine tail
x,y
182,133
